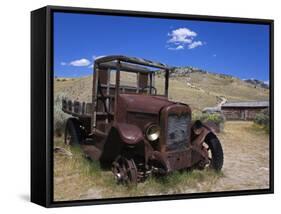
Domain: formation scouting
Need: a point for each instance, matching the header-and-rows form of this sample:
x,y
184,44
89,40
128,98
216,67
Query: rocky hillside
x,y
257,83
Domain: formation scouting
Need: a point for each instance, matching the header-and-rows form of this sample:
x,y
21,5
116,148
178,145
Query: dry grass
x,y
179,91
231,87
246,167
79,178
75,88
202,89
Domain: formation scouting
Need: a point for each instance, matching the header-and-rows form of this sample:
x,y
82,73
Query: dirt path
x,y
246,166
246,152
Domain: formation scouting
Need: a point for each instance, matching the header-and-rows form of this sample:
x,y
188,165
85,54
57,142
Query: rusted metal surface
x,y
118,123
76,108
125,171
133,60
129,134
125,67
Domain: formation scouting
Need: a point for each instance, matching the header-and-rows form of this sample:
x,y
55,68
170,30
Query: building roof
x,y
252,104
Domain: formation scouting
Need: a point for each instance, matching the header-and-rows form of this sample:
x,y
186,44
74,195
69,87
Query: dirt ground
x,y
246,163
246,166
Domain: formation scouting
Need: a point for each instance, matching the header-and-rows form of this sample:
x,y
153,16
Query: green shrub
x,y
214,118
262,119
59,116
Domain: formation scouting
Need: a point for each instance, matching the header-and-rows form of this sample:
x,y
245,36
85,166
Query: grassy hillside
x,y
203,89
198,89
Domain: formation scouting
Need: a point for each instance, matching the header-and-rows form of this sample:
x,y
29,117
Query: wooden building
x,y
243,110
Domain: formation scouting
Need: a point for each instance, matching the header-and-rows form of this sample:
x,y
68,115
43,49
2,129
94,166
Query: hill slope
x,y
197,88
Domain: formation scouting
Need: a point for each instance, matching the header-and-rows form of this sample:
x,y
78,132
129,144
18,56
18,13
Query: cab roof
x,y
129,63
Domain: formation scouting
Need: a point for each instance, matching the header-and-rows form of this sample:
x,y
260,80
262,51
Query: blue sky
x,y
241,50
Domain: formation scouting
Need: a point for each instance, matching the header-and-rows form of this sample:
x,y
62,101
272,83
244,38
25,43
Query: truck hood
x,y
144,103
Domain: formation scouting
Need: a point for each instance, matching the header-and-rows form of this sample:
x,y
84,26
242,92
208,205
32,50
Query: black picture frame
x,y
42,102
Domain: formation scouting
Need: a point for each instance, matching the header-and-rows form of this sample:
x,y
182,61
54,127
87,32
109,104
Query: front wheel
x,y
125,171
214,148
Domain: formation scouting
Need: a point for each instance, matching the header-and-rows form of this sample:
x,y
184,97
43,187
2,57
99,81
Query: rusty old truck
x,y
134,129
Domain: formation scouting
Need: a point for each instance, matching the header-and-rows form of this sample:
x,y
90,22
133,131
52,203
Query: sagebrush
x,y
263,119
59,116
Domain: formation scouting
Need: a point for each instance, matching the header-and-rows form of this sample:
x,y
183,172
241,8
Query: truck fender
x,y
199,132
129,134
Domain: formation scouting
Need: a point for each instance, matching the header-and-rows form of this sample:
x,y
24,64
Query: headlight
x,y
152,132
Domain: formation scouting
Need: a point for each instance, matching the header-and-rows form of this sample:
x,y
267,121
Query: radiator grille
x,y
178,131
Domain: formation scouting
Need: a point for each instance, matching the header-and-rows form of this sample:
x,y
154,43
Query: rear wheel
x,y
214,148
72,135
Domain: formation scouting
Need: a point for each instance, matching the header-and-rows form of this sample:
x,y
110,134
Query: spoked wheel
x,y
72,135
215,153
125,171
209,163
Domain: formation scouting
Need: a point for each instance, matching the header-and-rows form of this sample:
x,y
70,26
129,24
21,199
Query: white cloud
x,y
195,44
182,38
181,35
214,55
80,62
266,82
83,62
179,47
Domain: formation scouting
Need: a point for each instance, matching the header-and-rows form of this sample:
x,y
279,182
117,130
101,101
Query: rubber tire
x,y
73,127
216,150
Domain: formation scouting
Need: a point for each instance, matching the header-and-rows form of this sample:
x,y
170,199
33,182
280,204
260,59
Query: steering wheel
x,y
152,87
